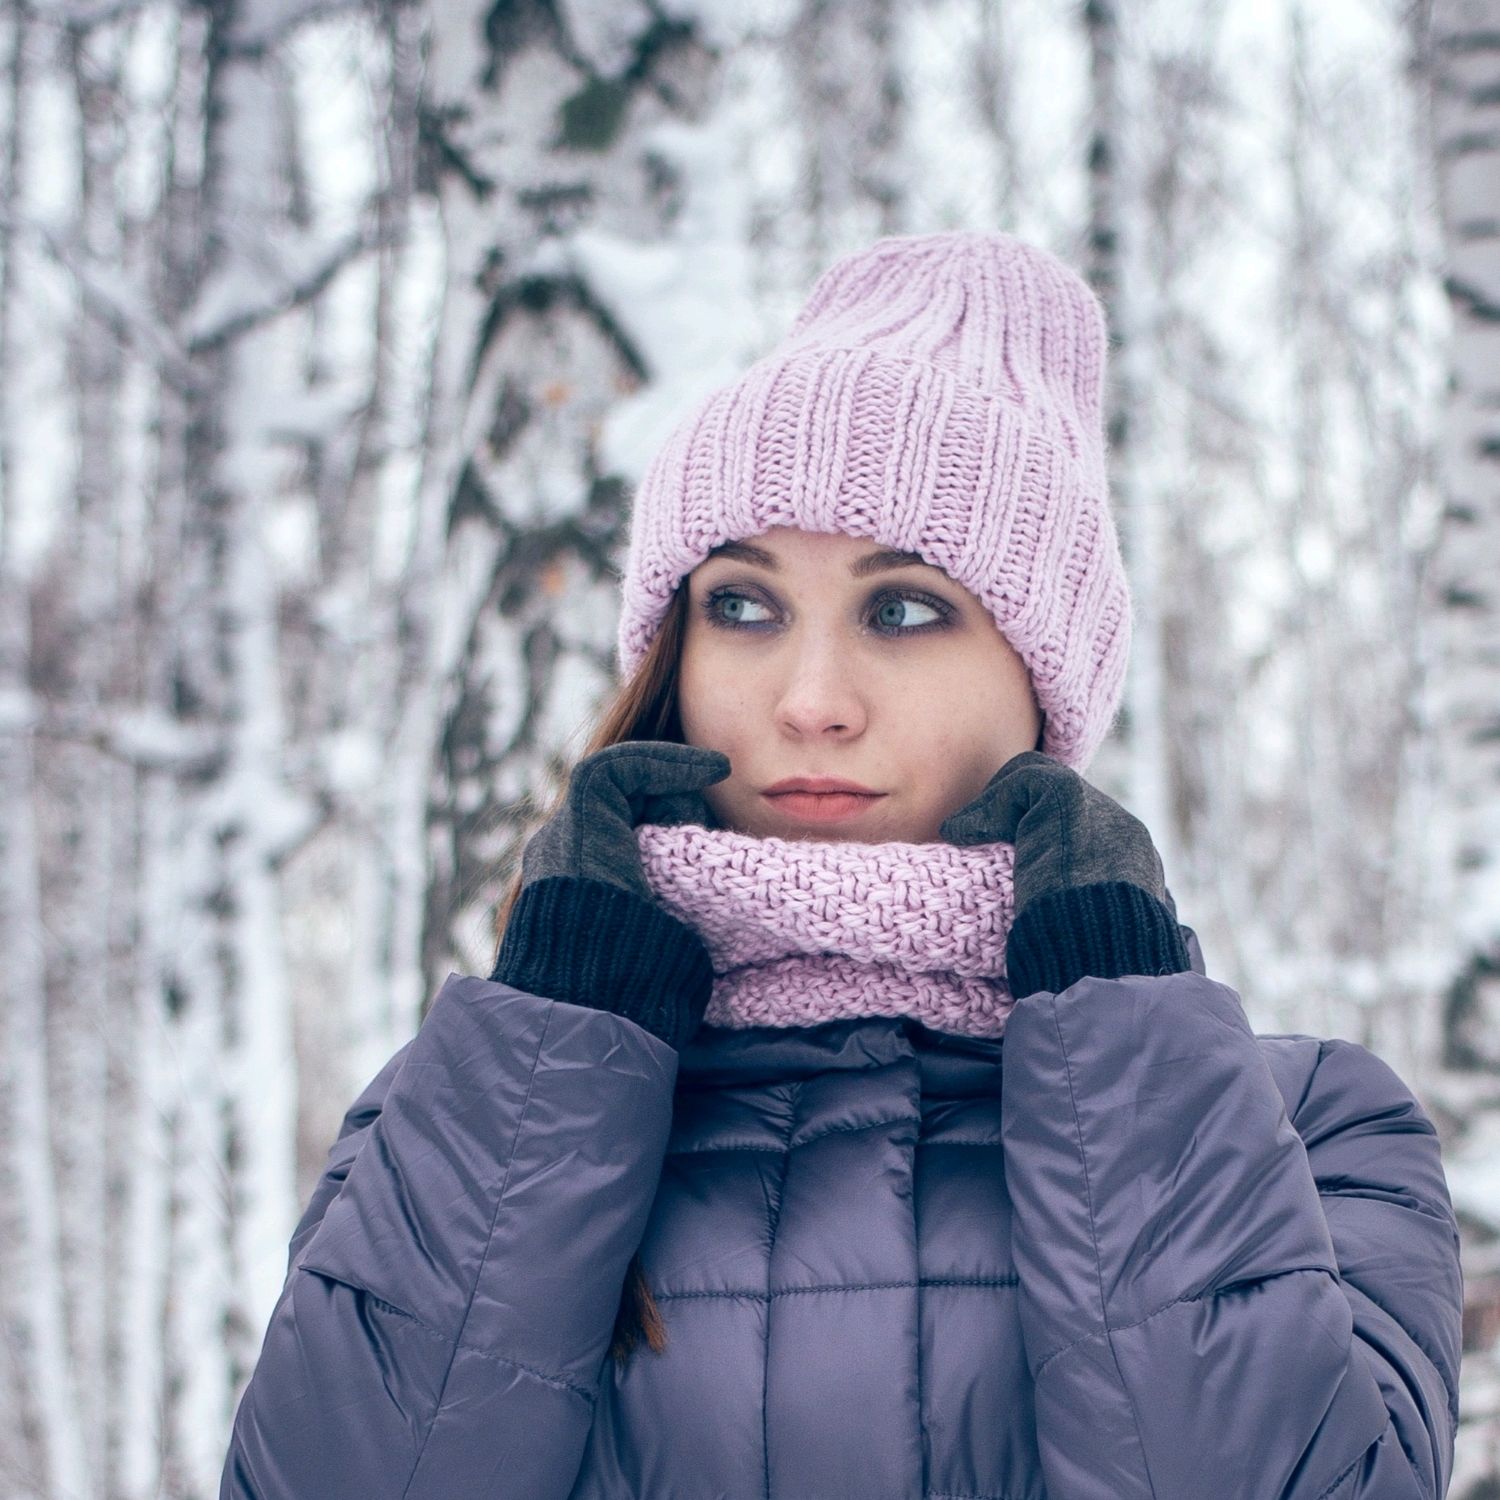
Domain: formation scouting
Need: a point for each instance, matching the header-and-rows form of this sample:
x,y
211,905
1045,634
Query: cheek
x,y
707,703
980,731
955,760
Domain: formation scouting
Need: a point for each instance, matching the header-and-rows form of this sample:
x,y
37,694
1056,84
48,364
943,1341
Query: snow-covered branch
x,y
111,300
233,304
140,737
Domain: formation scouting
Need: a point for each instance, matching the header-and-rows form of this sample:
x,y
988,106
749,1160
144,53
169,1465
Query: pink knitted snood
x,y
805,931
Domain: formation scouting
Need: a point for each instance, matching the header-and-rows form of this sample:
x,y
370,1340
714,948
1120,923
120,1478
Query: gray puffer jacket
x,y
1129,1250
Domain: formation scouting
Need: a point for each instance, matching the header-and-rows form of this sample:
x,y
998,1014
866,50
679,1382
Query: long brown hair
x,y
643,708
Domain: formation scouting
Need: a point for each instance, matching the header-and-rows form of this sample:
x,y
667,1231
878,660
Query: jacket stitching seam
x,y
444,1339
343,1279
1411,1203
921,1144
1094,1237
773,1219
1449,1391
964,1495
1406,1452
553,1380
791,1145
1359,1459
1416,1335
510,1162
1156,1312
1307,1088
1103,1333
853,1286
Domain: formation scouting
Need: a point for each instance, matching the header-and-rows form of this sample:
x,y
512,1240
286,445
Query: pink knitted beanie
x,y
938,393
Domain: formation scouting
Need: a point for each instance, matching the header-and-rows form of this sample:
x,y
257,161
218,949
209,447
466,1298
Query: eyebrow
x,y
872,562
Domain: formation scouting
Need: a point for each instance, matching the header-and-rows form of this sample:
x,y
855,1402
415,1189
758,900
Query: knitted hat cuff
x,y
1008,498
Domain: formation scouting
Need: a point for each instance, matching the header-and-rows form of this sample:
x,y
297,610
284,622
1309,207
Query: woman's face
x,y
828,656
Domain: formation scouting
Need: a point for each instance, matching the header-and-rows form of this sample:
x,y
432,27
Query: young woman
x,y
847,1114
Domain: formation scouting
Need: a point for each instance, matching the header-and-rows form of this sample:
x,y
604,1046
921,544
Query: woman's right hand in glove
x,y
586,928
592,836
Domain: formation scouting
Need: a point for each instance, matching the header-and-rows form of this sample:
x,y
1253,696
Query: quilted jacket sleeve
x,y
1217,1299
454,1282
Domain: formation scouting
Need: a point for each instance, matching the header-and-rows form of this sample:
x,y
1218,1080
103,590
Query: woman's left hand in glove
x,y
1090,892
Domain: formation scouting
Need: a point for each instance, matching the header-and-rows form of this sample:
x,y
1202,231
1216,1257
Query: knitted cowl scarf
x,y
806,931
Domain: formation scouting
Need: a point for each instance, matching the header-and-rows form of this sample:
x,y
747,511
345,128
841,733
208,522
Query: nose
x,y
820,694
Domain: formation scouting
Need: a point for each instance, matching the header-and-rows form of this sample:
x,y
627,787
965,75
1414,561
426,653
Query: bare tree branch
x,y
131,324
215,333
138,738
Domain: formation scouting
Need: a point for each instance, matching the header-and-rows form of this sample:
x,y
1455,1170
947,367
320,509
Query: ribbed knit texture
x,y
805,931
589,942
1107,929
938,393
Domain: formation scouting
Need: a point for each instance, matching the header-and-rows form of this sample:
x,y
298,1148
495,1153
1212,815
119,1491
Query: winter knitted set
x,y
942,394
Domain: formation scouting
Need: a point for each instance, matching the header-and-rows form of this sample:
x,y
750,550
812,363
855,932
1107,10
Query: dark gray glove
x,y
1067,833
1090,893
609,792
585,927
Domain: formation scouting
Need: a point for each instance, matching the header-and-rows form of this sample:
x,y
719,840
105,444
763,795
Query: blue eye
x,y
728,596
898,602
726,609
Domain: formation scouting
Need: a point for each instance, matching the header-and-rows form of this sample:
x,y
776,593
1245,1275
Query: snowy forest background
x,y
332,338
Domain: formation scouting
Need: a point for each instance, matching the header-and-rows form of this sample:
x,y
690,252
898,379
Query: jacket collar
x,y
735,1057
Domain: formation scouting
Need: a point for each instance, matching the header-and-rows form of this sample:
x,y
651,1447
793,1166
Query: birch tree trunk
x,y
1462,54
47,1445
843,57
992,67
1151,153
1315,806
1173,387
557,161
356,668
1116,260
1465,586
197,529
89,792
1348,901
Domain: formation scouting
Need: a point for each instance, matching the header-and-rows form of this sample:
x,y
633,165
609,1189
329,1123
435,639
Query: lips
x,y
820,784
820,799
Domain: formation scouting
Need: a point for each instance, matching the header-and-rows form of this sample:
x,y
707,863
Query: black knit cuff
x,y
589,942
1105,930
